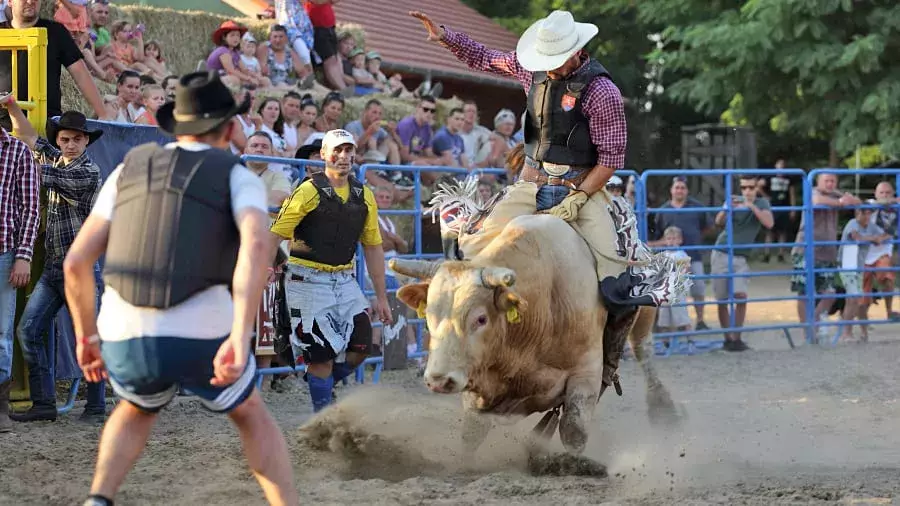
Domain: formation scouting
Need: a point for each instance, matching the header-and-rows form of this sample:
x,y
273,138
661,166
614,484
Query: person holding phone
x,y
749,213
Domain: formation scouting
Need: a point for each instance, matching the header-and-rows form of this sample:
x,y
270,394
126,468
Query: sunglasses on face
x,y
429,110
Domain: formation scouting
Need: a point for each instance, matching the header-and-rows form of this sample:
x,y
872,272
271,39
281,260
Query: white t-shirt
x,y
251,63
205,315
248,127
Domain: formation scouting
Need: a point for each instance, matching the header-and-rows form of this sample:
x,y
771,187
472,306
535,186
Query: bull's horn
x,y
419,269
494,277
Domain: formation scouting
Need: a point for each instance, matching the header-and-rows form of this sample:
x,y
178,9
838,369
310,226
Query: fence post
x,y
806,222
729,237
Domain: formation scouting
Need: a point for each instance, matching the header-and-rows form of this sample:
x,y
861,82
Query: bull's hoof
x,y
564,464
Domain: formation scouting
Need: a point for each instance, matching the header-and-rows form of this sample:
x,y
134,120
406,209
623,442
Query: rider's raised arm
x,y
478,57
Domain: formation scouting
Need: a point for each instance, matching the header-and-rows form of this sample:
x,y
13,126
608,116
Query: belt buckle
x,y
555,169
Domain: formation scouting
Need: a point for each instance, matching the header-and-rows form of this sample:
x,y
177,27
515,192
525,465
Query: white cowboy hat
x,y
549,42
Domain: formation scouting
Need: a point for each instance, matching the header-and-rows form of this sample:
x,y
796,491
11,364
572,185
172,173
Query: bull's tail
x,y
660,407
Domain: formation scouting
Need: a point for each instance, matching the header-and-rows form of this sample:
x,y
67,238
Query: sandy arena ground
x,y
815,425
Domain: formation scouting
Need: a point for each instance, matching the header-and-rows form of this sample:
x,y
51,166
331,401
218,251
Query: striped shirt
x,y
602,101
20,211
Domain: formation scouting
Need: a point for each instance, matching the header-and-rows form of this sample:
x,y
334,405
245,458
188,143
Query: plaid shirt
x,y
602,101
20,212
71,191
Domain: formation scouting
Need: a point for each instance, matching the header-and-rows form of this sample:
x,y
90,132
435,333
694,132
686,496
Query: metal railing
x,y
671,342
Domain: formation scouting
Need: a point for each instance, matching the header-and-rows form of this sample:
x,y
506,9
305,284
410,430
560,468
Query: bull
x,y
518,329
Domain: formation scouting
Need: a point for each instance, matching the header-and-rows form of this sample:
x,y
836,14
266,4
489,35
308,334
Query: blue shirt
x,y
445,141
692,225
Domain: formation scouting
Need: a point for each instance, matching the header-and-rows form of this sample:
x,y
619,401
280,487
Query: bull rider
x,y
575,136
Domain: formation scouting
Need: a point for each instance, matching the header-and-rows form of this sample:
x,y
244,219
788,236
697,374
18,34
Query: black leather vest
x,y
173,232
330,233
556,130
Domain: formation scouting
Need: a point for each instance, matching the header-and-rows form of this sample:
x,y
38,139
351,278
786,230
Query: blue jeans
x,y
45,301
7,315
551,195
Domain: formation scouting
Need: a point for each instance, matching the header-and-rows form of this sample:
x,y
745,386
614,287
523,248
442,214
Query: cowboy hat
x,y
226,28
549,42
202,104
71,120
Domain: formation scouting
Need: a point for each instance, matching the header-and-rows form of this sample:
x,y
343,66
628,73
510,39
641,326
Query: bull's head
x,y
465,307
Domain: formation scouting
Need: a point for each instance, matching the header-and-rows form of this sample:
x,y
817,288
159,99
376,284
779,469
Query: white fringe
x,y
455,193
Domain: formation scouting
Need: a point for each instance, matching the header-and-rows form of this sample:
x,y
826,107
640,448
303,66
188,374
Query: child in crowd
x,y
853,256
485,190
126,49
393,86
86,46
154,60
887,219
365,82
248,56
73,15
671,318
153,97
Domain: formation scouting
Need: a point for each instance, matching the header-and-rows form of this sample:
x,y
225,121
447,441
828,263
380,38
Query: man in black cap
x,y
184,230
72,182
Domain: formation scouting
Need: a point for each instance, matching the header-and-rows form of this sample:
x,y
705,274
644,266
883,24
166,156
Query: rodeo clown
x,y
574,136
324,219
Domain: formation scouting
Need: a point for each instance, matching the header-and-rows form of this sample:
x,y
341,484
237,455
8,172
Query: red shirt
x,y
322,16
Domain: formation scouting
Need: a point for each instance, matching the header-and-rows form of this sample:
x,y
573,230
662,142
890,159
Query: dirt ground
x,y
814,425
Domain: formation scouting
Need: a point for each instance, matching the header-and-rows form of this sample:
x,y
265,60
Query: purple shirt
x,y
602,101
414,136
214,62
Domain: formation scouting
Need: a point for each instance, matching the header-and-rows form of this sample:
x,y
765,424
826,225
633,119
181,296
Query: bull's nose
x,y
440,383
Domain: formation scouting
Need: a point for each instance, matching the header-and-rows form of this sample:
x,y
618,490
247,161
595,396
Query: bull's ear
x,y
414,295
511,303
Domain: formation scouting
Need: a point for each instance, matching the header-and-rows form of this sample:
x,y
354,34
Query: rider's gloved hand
x,y
569,207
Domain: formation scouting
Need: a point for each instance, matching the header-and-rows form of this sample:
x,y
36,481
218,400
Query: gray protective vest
x,y
556,129
173,232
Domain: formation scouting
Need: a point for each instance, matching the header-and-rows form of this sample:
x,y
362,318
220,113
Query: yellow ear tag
x,y
420,311
512,315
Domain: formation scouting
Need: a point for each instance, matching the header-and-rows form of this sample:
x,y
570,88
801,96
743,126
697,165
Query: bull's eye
x,y
481,321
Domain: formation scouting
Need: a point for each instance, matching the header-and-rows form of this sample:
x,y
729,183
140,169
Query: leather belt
x,y
531,173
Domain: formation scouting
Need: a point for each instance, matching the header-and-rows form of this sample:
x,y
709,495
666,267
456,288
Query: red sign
x,y
568,102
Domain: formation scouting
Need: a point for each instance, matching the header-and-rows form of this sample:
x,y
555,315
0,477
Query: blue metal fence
x,y
666,343
669,342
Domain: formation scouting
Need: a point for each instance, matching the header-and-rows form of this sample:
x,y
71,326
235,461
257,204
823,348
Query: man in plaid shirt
x,y
19,218
72,181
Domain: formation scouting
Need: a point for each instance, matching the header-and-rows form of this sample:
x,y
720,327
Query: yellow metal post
x,y
34,42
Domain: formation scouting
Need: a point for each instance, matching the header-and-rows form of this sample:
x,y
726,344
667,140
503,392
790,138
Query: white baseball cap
x,y
335,138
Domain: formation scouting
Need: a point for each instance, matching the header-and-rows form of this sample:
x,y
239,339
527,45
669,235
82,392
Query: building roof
x,y
400,38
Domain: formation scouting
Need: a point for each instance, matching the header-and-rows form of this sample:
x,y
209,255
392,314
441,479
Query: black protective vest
x,y
173,232
553,133
329,234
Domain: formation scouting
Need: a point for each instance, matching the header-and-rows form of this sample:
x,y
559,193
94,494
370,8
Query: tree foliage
x,y
820,69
